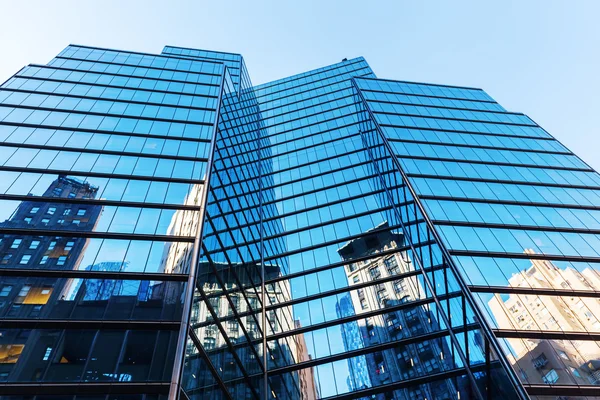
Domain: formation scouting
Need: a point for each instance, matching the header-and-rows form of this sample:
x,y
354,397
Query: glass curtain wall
x,y
103,157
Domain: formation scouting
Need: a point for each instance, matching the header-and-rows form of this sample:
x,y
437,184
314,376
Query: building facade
x,y
172,231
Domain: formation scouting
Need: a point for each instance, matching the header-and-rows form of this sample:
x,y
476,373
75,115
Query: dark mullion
x,y
99,131
509,202
473,89
553,390
96,98
516,227
366,162
433,105
369,350
343,320
304,210
138,117
101,151
209,363
356,317
502,181
535,291
235,313
273,145
332,292
85,274
538,256
360,70
324,188
99,202
516,135
275,125
500,163
328,243
82,388
322,224
59,57
546,335
47,67
313,73
480,146
227,341
98,235
89,324
101,175
533,125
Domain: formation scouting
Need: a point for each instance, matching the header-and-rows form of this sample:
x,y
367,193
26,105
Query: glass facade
x,y
170,231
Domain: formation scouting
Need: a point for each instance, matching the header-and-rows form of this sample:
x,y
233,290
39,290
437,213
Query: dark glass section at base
x,y
170,231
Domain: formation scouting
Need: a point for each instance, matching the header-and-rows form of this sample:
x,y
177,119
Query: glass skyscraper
x,y
170,231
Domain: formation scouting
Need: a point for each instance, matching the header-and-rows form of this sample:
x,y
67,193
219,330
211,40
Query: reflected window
x,y
81,212
47,354
540,361
6,258
44,260
34,210
563,355
16,243
34,244
550,377
392,266
27,220
209,343
374,272
52,245
9,353
575,372
61,260
25,259
363,304
67,211
51,210
22,294
69,246
5,290
76,221
45,221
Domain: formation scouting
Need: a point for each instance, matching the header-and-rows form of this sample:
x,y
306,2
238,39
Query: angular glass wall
x,y
169,230
103,157
516,211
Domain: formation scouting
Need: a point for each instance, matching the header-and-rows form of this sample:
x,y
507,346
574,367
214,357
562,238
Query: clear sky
x,y
539,57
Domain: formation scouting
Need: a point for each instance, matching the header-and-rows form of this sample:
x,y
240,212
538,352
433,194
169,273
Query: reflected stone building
x,y
385,292
545,360
172,231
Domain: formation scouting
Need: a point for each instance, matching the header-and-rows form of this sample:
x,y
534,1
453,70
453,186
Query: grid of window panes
x,y
226,318
348,313
233,62
358,237
103,156
518,213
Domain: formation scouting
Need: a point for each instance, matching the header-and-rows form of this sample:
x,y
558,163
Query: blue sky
x,y
537,57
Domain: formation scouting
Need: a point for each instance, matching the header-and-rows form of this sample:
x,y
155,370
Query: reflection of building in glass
x,y
358,377
403,362
244,331
172,223
22,297
306,377
554,361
